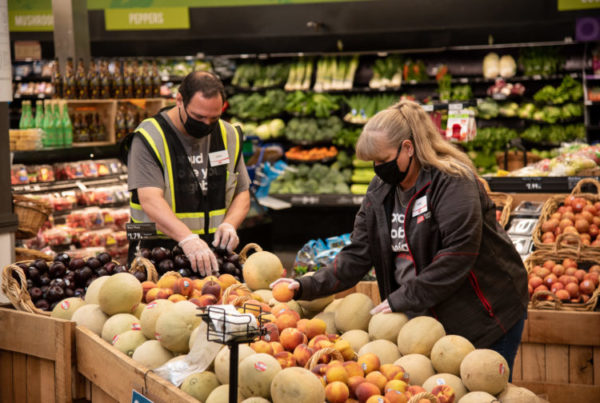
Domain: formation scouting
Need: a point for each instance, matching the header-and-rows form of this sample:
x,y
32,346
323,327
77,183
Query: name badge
x,y
218,158
420,206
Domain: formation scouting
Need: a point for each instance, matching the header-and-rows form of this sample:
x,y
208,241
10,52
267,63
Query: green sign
x,y
122,19
566,5
31,21
106,4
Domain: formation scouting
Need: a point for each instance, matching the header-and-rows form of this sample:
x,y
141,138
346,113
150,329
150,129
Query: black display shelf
x,y
50,156
320,200
547,184
32,78
58,186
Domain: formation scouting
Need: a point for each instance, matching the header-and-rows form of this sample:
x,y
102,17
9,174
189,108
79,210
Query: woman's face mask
x,y
389,171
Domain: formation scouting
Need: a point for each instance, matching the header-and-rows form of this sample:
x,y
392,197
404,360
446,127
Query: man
x,y
186,174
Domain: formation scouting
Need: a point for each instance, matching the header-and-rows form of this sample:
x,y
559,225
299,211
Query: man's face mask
x,y
196,128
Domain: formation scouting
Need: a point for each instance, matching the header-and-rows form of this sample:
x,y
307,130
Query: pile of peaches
x,y
565,280
293,341
576,216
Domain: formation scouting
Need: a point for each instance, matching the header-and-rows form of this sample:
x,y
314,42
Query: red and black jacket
x,y
468,273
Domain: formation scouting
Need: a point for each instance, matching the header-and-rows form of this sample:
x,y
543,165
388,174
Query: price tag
x,y
41,96
463,80
164,78
18,78
137,397
537,77
533,185
455,107
139,231
428,108
36,188
412,82
17,96
357,199
81,186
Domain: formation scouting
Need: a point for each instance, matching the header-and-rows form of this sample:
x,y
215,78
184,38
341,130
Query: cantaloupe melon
x,y
418,367
174,326
296,385
128,341
357,338
137,311
120,293
419,335
221,395
222,361
484,370
119,323
256,373
386,326
329,319
448,352
151,313
261,269
354,312
516,394
265,295
446,379
91,317
256,399
67,307
200,384
151,354
91,294
479,397
384,349
333,305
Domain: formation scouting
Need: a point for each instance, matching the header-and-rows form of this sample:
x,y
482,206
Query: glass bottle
x,y
130,122
48,126
138,82
57,80
69,85
84,129
100,129
77,128
105,84
127,81
23,121
117,81
93,80
156,81
147,78
58,125
67,126
83,90
39,114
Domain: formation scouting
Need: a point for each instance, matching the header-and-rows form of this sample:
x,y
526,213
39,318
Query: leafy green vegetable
x,y
255,75
306,130
306,104
257,106
315,179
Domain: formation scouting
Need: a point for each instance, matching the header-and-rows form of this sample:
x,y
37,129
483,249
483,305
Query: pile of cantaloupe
x,y
394,357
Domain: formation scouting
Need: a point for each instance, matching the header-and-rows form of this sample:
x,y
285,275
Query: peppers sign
x,y
134,19
566,5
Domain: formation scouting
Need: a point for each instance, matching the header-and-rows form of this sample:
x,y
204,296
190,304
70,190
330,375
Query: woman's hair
x,y
407,120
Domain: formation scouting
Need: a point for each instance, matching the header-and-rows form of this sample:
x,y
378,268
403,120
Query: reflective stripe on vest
x,y
155,137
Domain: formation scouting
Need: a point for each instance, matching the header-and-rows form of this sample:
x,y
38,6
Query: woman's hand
x,y
292,284
384,307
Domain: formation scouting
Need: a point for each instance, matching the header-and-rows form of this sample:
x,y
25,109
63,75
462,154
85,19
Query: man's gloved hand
x,y
226,237
199,254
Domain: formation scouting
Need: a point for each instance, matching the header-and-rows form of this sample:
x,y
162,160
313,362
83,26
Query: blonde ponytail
x,y
407,120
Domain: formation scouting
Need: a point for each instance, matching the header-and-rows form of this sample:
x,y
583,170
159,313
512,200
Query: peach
x,y
549,264
563,295
569,271
369,362
568,262
147,286
414,390
344,347
204,300
535,281
353,383
550,279
282,293
262,346
176,298
558,270
302,354
395,396
593,277
301,325
337,392
353,369
167,281
226,281
197,284
164,293
196,293
323,344
184,286
151,295
587,287
285,359
579,275
336,373
212,287
394,372
316,339
278,309
377,378
286,320
557,286
365,390
595,268
395,384
444,393
315,327
271,332
572,289
277,347
377,399
291,337
319,369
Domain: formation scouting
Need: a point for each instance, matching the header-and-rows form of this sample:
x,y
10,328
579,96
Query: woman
x,y
428,227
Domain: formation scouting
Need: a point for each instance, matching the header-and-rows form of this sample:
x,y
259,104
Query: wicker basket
x,y
16,290
559,252
554,202
423,395
31,213
240,299
145,265
314,359
501,200
244,252
30,254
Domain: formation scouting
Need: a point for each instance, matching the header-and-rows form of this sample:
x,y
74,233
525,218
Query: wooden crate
x,y
107,111
560,355
111,375
366,287
36,358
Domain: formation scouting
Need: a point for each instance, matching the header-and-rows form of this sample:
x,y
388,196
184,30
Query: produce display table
x,y
36,358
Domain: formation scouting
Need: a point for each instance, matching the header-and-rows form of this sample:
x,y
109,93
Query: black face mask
x,y
196,128
389,171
